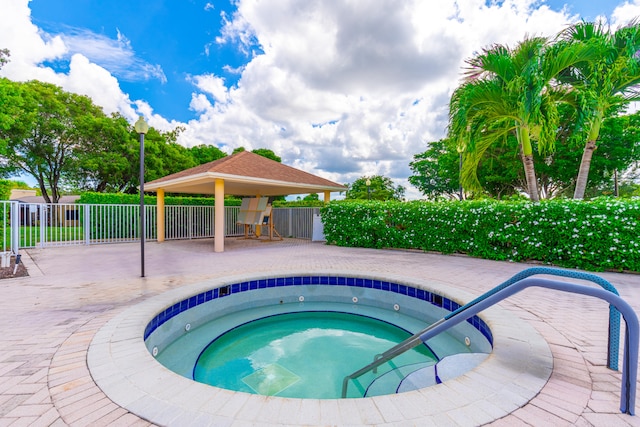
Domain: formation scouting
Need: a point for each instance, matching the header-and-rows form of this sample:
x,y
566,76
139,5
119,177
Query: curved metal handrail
x,y
414,340
614,315
506,289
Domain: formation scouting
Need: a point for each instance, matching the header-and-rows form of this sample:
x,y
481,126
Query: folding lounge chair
x,y
267,220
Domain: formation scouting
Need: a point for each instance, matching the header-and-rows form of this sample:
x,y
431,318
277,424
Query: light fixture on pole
x,y
141,128
368,184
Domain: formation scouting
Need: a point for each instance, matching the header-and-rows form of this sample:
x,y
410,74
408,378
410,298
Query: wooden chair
x,y
267,220
250,215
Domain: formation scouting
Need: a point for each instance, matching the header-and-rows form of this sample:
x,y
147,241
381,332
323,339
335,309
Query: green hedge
x,y
597,235
134,199
298,204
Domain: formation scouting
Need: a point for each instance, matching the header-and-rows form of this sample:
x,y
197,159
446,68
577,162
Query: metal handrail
x,y
630,363
614,315
414,340
380,359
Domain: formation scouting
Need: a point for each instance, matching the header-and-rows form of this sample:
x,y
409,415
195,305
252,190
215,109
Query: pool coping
x,y
120,364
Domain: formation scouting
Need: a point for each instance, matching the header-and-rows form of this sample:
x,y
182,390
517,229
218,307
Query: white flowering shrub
x,y
600,234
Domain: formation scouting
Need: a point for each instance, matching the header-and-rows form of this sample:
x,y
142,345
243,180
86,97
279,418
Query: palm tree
x,y
610,82
511,91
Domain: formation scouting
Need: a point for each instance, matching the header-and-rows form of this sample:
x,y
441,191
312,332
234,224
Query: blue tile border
x,y
201,298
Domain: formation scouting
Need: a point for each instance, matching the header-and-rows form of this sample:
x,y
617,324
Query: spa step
x,y
446,369
388,382
413,377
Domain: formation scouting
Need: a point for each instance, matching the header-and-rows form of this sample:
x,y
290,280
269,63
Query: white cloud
x,y
626,11
89,79
345,89
115,55
29,47
199,103
341,89
212,85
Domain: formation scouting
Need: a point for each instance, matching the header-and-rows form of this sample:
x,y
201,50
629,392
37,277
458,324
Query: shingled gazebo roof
x,y
244,174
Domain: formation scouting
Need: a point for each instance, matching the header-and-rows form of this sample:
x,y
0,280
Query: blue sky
x,y
171,43
340,89
588,10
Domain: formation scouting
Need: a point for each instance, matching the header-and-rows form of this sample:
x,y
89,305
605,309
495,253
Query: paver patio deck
x,y
47,321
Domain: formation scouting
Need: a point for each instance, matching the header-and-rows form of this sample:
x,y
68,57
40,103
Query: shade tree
x,y
47,130
436,171
376,187
510,91
205,153
609,81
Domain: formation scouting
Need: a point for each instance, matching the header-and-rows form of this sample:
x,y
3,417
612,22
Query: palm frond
x,y
584,31
474,154
493,61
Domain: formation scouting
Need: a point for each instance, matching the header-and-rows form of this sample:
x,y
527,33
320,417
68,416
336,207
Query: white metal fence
x,y
43,224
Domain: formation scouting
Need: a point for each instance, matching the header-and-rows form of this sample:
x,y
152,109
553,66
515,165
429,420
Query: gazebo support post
x,y
258,230
327,196
160,213
219,216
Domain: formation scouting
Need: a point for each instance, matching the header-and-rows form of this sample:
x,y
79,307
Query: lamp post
x,y
141,128
368,184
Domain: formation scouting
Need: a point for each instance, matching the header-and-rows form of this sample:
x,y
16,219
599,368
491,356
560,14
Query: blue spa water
x,y
303,354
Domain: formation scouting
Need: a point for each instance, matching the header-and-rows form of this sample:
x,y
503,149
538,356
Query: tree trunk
x,y
43,190
587,155
527,161
583,172
101,187
530,175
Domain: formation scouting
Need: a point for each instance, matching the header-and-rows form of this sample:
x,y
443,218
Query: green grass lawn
x,y
30,236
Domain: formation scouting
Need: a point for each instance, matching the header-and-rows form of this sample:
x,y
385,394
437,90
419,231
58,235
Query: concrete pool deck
x,y
48,320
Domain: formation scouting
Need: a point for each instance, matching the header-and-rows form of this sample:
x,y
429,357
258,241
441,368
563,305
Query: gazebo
x,y
242,174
